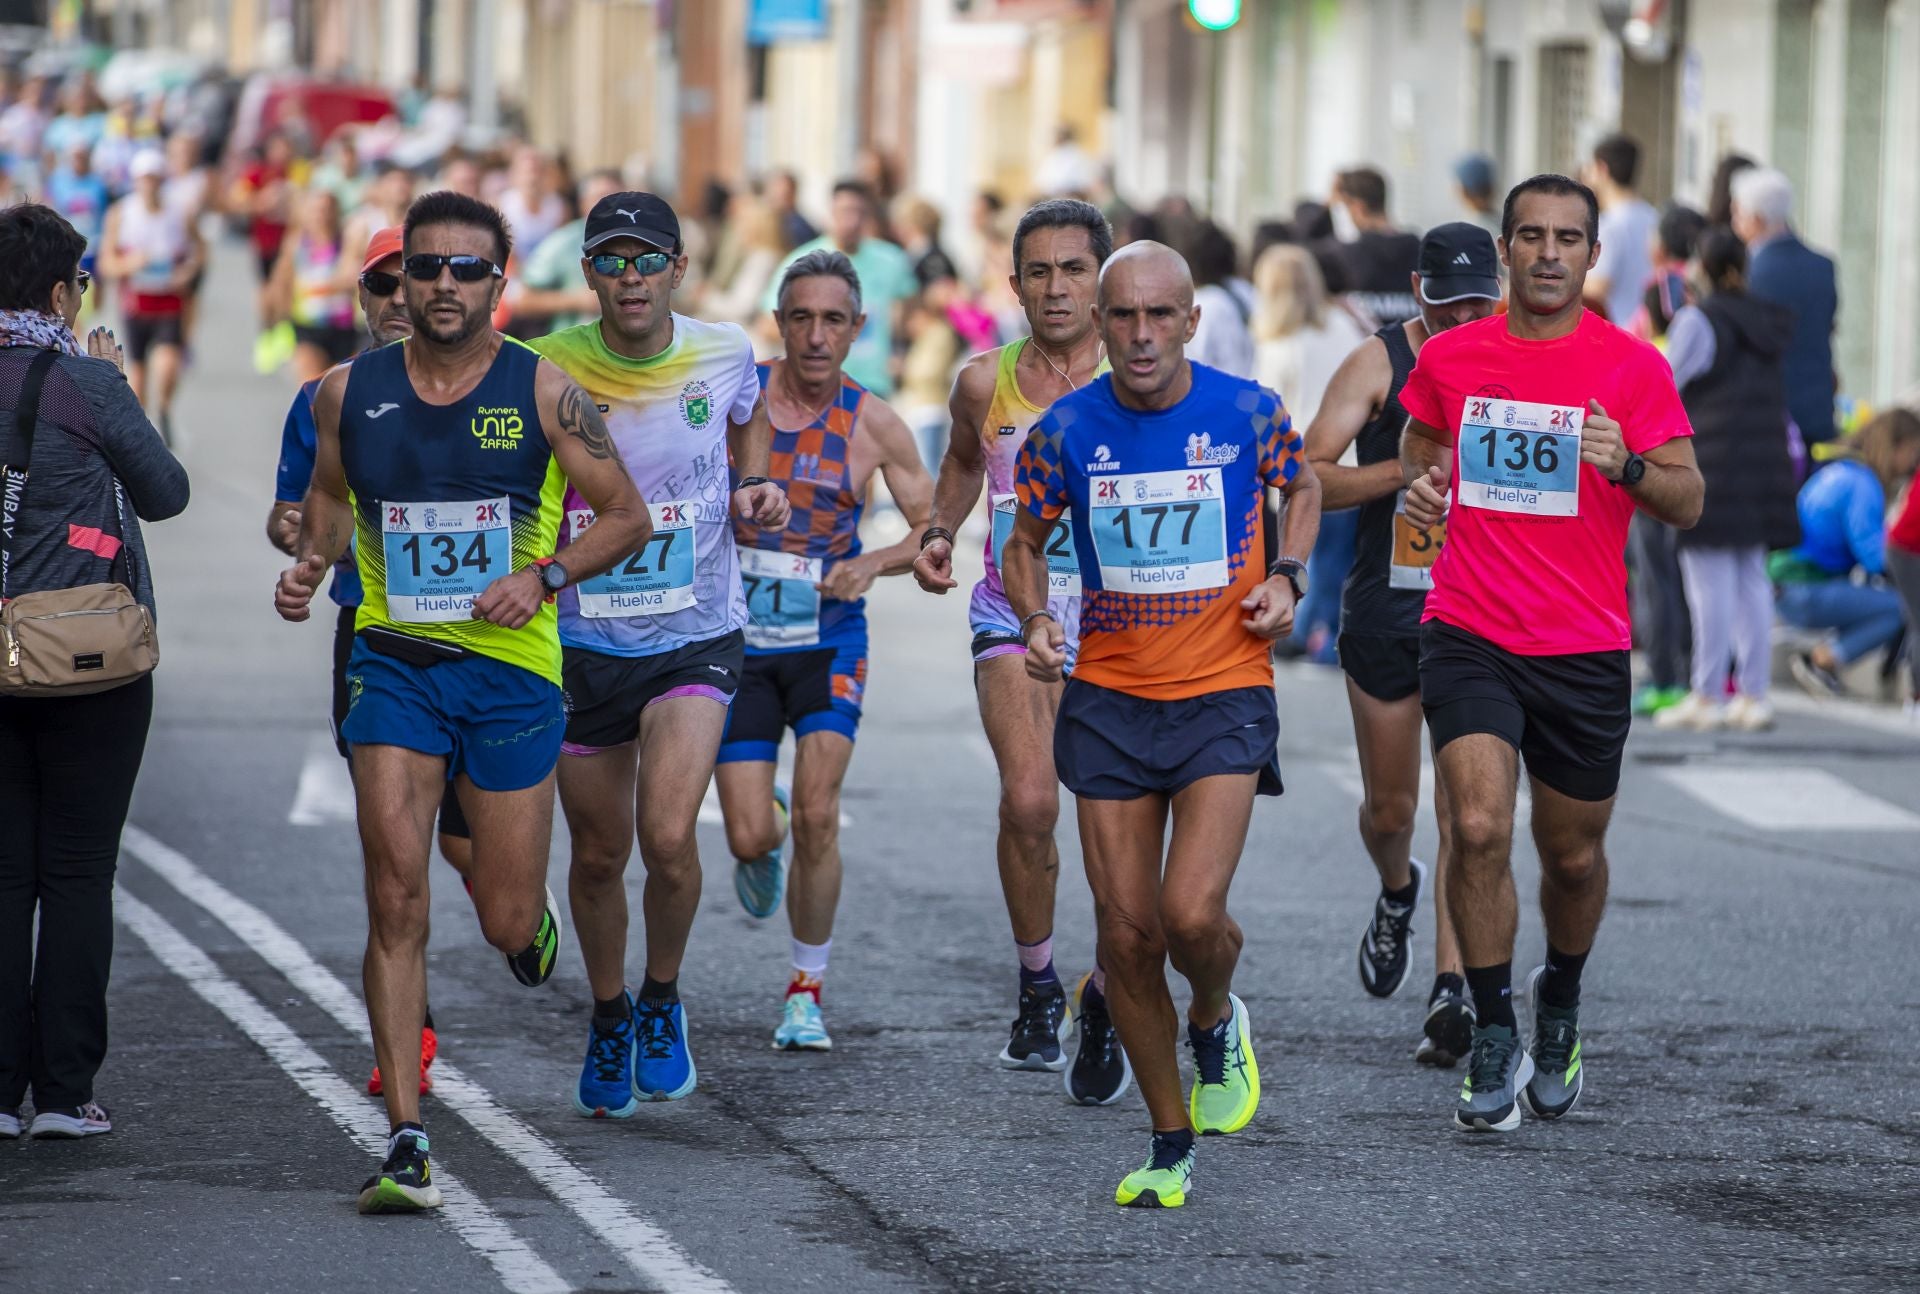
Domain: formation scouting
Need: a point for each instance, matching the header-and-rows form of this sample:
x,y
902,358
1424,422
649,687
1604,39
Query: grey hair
x,y
821,264
1766,194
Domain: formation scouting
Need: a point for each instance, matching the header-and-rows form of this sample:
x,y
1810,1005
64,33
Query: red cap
x,y
384,244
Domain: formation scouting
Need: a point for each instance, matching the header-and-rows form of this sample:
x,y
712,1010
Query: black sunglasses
x,y
379,283
425,267
84,281
648,263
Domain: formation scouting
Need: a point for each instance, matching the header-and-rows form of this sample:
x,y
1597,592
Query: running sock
x,y
1492,988
652,990
409,1126
1446,982
1560,986
612,1011
1036,964
1404,896
809,968
1169,1148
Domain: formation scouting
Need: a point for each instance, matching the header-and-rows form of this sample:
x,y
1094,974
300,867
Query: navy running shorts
x,y
1111,745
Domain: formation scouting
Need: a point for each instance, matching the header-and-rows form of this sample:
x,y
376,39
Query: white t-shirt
x,y
1626,256
1223,339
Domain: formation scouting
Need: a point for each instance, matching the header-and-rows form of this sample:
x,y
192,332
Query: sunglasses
x,y
648,263
84,281
379,283
425,267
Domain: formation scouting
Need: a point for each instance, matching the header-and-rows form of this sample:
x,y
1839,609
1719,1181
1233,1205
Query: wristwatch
x,y
1296,572
553,576
1633,472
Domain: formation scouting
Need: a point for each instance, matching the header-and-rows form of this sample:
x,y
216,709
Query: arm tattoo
x,y
580,418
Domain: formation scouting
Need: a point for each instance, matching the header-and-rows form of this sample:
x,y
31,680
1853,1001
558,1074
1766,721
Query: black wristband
x,y
935,532
748,482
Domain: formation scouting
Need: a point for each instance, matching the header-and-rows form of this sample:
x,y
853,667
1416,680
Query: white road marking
x,y
518,1267
326,787
649,1250
1345,773
1862,714
711,816
1789,798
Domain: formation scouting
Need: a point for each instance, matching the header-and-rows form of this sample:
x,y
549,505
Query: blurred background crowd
x,y
1757,163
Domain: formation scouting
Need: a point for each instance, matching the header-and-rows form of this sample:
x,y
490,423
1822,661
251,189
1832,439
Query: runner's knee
x,y
1388,813
669,846
1190,924
1131,948
1029,808
816,825
1480,833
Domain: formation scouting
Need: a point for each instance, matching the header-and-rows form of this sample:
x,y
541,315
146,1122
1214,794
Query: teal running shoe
x,y
802,1027
761,881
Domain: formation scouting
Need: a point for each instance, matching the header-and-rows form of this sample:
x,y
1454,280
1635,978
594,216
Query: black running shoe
x,y
1816,679
1497,1071
1386,948
534,966
1040,1030
1099,1074
404,1183
1448,1031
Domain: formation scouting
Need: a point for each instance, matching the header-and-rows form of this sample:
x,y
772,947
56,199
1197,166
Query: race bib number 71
x,y
1517,456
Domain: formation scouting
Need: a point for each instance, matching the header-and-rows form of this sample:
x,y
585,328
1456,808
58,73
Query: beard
x,y
441,333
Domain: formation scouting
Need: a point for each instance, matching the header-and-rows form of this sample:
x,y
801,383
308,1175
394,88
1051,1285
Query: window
x,y
1562,96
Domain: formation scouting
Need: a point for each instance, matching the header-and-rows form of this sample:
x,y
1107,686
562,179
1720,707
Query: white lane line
x,y
1863,714
326,787
711,816
1790,798
649,1250
518,1267
1345,773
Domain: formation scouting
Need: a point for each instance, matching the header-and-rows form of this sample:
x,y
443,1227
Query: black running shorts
x,y
605,694
1385,667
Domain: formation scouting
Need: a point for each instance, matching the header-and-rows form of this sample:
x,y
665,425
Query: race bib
x,y
1063,564
1414,549
1161,532
783,606
1520,457
651,582
153,278
441,556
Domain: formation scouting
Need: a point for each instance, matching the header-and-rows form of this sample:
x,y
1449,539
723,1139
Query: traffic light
x,y
1215,15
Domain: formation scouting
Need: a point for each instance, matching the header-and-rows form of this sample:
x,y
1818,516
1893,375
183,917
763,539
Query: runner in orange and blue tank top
x,y
1170,712
806,652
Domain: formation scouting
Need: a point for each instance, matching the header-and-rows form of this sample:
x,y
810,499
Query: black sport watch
x,y
1296,572
1634,472
553,576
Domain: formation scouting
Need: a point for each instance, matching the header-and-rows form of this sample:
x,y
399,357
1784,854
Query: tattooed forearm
x,y
580,418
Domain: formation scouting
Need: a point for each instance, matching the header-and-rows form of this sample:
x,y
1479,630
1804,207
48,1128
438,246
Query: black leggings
x,y
67,767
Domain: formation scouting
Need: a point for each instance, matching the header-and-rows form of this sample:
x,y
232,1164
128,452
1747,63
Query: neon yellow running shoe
x,y
1161,1182
1226,1079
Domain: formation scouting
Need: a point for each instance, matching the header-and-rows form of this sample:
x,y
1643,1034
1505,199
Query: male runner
x,y
384,306
1058,249
1165,465
1458,281
806,664
445,456
654,648
1552,426
156,252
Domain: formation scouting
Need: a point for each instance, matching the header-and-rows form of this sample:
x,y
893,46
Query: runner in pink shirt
x,y
1544,428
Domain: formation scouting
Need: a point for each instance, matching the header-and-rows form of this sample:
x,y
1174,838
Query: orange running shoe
x,y
429,1048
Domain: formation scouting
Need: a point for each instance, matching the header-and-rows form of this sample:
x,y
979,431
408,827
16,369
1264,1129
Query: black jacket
x,y
1739,413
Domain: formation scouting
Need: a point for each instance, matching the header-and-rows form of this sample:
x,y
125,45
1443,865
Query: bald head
x,y
1147,267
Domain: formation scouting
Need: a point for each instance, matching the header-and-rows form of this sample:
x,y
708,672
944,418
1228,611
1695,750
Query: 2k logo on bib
x,y
696,403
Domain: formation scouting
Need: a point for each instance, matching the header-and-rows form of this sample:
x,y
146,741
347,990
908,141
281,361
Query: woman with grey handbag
x,y
79,462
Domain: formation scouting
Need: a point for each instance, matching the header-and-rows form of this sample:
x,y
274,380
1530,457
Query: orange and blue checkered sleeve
x,y
1040,478
1282,449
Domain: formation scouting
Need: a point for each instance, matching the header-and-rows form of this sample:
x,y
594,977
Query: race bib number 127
x,y
1520,457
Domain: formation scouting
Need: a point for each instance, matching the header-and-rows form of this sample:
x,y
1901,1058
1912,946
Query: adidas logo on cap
x,y
1463,259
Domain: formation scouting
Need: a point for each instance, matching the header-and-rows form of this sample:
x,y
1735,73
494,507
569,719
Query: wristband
x,y
1029,618
935,532
748,482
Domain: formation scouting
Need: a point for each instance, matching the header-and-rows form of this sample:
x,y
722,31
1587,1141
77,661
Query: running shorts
x,y
808,691
1566,715
340,344
605,694
1112,745
144,332
1385,667
453,819
996,629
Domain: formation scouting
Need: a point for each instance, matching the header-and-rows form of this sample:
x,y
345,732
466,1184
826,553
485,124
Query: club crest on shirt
x,y
696,404
1201,451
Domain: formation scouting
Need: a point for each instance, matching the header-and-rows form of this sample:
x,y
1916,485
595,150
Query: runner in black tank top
x,y
1381,605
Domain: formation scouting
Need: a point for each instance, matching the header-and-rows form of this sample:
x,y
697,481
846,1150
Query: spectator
x,y
1382,258
1784,270
531,203
918,223
23,129
1224,337
554,292
460,174
926,372
67,763
886,284
1843,518
1140,227
1068,170
1720,192
82,120
758,250
1903,564
783,194
1726,362
1627,225
1674,243
1474,181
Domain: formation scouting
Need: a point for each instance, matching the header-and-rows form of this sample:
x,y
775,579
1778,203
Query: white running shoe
x,y
89,1120
1695,714
1749,714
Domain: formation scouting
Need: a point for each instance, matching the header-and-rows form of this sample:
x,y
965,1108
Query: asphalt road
x,y
1750,1110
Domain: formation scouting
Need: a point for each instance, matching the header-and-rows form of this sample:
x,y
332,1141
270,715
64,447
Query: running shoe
x,y
404,1183
1161,1182
89,1120
1555,1086
1040,1031
1226,1078
9,1124
535,966
1099,1074
1496,1071
1749,714
1695,714
1448,1033
429,1048
802,1027
1386,949
760,881
1650,700
606,1076
1816,679
663,1070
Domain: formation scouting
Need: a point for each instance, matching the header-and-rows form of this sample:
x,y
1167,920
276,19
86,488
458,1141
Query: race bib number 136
x,y
1516,456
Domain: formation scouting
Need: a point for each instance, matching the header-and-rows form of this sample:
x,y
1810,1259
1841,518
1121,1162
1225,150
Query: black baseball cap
x,y
645,216
1457,263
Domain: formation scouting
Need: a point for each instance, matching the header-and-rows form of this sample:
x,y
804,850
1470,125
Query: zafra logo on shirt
x,y
696,403
498,428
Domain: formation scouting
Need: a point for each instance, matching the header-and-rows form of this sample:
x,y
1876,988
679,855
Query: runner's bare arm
x,y
326,515
1426,463
749,445
1353,398
586,453
1672,491
1023,571
962,470
906,478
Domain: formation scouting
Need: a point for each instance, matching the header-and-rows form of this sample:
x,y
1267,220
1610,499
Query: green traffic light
x,y
1215,15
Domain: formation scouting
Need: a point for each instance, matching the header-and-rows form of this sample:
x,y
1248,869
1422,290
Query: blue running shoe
x,y
606,1079
663,1069
760,881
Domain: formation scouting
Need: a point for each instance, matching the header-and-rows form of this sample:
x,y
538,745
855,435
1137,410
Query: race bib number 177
x,y
1517,456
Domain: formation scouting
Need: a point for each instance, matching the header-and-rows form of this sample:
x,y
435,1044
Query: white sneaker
x,y
90,1120
9,1124
1696,713
1749,714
